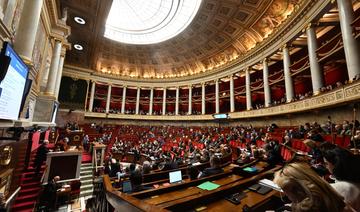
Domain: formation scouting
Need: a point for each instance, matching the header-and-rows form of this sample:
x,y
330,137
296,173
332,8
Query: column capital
x,y
285,46
125,86
56,38
231,76
266,59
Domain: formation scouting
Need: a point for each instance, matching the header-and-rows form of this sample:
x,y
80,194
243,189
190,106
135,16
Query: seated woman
x,y
343,166
215,163
307,191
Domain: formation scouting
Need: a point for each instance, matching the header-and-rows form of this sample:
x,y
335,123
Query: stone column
x,y
217,100
351,47
9,13
203,105
289,87
317,76
28,25
248,89
59,75
92,94
232,96
190,100
267,90
123,100
137,101
177,101
164,102
151,101
108,99
54,67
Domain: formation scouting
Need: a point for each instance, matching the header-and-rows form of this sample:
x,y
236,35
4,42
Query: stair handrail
x,y
12,197
43,175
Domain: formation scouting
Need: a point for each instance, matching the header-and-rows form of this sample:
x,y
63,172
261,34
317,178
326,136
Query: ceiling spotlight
x,y
79,20
78,47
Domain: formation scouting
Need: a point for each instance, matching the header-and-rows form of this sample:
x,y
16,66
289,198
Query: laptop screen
x,y
126,187
175,177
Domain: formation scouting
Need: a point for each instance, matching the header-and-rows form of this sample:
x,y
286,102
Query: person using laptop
x,y
215,163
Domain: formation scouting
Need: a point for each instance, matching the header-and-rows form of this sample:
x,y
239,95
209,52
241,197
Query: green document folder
x,y
208,186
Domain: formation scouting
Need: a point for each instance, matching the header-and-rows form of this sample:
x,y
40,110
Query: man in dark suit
x,y
40,157
215,163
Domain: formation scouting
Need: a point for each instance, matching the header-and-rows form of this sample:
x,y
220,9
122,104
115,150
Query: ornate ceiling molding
x,y
283,35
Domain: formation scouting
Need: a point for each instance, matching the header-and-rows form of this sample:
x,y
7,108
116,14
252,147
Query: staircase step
x,y
89,168
28,197
86,165
86,177
86,182
84,173
23,206
86,187
30,185
31,190
86,193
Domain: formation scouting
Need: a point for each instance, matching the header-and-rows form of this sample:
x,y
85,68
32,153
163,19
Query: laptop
x,y
126,186
175,177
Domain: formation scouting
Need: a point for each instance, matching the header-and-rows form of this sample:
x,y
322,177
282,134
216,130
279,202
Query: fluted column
x,y
190,100
289,87
164,102
203,105
54,67
9,13
92,94
177,101
351,47
108,99
59,75
217,100
317,76
28,25
267,91
123,100
137,101
232,97
248,89
151,101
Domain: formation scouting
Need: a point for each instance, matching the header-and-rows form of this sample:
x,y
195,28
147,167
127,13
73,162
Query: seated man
x,y
49,193
215,163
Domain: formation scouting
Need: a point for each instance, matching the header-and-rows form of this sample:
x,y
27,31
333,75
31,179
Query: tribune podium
x,y
98,155
64,164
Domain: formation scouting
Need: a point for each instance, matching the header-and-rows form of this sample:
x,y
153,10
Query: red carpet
x,y
30,189
86,157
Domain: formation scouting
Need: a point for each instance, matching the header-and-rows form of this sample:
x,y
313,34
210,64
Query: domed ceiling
x,y
220,33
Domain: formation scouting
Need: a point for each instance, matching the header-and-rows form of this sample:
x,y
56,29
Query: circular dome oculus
x,y
149,21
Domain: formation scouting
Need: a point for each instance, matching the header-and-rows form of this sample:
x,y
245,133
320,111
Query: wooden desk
x,y
186,192
178,186
252,200
227,187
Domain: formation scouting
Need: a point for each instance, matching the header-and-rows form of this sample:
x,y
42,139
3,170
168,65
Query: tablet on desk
x,y
126,187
